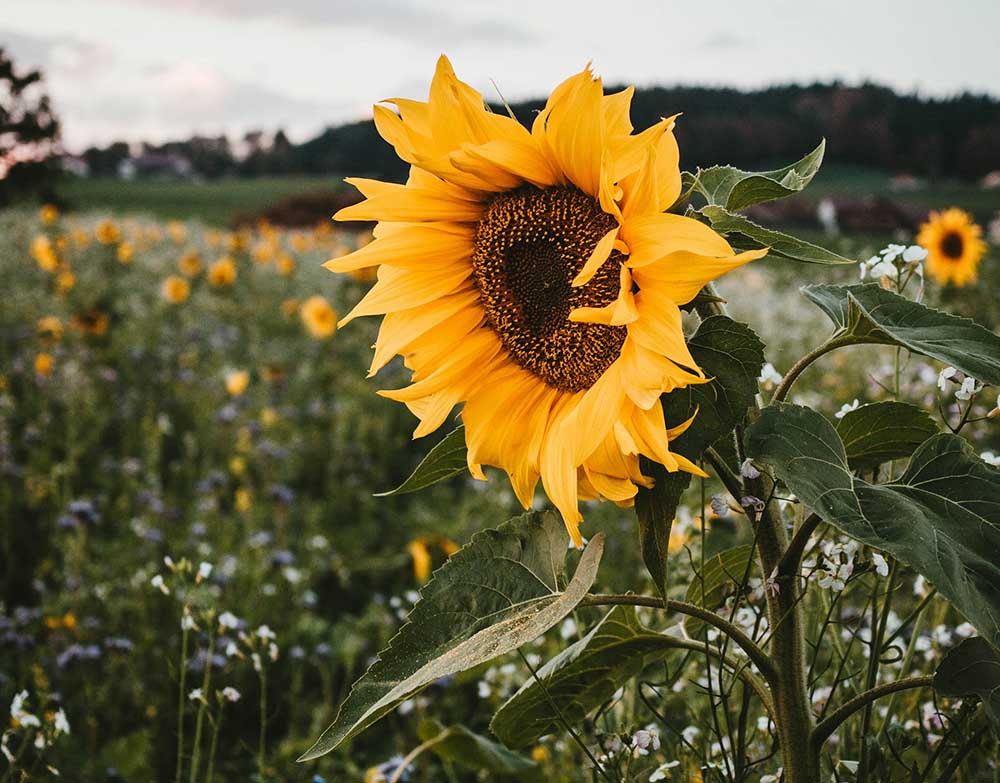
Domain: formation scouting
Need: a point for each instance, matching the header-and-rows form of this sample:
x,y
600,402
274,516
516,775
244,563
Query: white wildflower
x,y
229,693
914,254
196,695
159,584
881,566
748,471
264,632
892,252
204,571
969,389
229,621
272,651
944,376
990,458
257,663
61,722
847,408
662,772
769,376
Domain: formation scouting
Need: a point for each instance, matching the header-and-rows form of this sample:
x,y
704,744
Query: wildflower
x,y
881,566
748,471
237,382
230,693
20,714
187,621
750,501
222,273
285,264
662,772
257,663
159,584
914,254
196,695
107,233
229,621
570,352
990,458
969,389
48,214
272,651
125,253
769,377
771,585
43,364
190,264
319,318
720,505
645,740
944,376
264,632
232,650
65,280
846,408
175,289
954,246
243,500
60,722
204,571
91,322
177,232
49,328
44,254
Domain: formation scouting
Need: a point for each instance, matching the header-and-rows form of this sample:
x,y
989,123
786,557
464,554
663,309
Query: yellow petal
x,y
410,205
651,237
421,246
600,254
681,275
659,328
575,131
621,311
401,289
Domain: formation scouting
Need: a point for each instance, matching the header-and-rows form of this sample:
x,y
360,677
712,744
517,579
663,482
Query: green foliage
x,y
872,314
971,668
579,680
500,591
941,516
732,189
732,355
744,234
883,431
446,459
469,750
721,575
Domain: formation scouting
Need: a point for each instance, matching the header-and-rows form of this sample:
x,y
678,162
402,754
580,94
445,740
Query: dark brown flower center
x,y
952,245
530,244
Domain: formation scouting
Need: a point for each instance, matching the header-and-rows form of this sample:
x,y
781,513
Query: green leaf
x,y
941,516
883,431
722,574
733,189
500,591
445,460
469,750
744,234
874,315
971,668
579,680
731,355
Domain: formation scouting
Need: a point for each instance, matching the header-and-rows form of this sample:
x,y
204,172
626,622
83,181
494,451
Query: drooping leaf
x,y
744,234
876,315
500,591
722,574
941,516
445,460
883,431
469,750
732,355
971,668
733,189
579,680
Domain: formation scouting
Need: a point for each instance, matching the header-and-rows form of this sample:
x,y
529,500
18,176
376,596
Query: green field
x,y
219,202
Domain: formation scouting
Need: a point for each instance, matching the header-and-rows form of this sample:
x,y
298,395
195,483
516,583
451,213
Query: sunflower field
x,y
764,549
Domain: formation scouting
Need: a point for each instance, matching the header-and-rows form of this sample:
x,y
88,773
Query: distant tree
x,y
29,135
104,162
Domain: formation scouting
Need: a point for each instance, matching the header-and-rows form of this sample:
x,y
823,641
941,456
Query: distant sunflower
x,y
175,289
319,318
954,246
222,273
535,276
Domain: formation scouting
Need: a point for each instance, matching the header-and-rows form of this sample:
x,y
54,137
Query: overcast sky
x,y
160,69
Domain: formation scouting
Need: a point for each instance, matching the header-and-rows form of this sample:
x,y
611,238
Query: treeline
x,y
868,126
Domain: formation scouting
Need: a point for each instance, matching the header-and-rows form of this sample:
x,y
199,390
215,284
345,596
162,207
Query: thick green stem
x,y
826,727
837,341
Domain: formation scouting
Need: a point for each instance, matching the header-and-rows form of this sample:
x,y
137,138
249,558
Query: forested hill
x,y
865,126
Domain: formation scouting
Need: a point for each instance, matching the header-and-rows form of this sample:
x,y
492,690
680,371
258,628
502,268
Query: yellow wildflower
x,y
49,328
125,253
48,214
44,253
43,364
222,273
175,289
237,382
107,233
320,319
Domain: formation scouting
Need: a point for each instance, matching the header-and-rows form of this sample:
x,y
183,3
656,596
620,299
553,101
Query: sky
x,y
166,69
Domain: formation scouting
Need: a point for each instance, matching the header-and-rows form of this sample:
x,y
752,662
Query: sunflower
x,y
175,289
43,364
125,253
48,214
190,263
236,382
319,318
222,273
92,322
954,246
536,277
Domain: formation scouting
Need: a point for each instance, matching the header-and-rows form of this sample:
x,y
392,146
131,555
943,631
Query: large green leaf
x,y
883,431
500,591
941,516
875,315
445,460
733,189
721,575
732,355
469,750
578,680
744,234
971,668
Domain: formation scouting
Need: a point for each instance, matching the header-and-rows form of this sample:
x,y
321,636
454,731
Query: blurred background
x,y
184,432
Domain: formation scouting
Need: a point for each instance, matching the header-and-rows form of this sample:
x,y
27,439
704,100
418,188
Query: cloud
x,y
382,16
722,41
60,53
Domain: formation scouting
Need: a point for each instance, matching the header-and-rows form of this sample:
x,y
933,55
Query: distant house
x,y
156,165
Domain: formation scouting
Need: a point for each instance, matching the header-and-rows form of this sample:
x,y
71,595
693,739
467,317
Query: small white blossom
x,y
662,772
881,566
168,561
228,620
230,693
990,458
892,252
944,376
257,663
847,408
748,471
568,628
769,376
969,389
264,632
61,722
232,650
196,695
272,651
645,740
159,584
204,571
884,268
914,254
187,621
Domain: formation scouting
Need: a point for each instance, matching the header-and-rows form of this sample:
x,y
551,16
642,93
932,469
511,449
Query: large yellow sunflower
x,y
954,246
534,276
